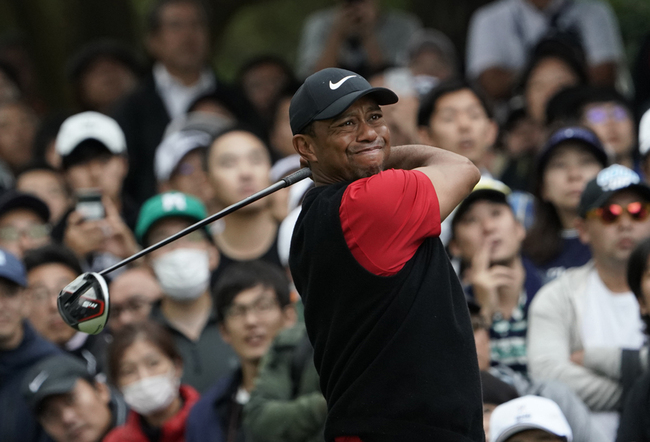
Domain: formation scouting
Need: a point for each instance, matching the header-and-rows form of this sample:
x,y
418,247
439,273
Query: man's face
x,y
548,77
104,172
189,177
48,186
181,41
43,286
17,129
105,81
81,415
353,145
22,230
239,166
262,85
611,244
460,124
252,321
534,436
13,309
567,172
613,124
169,226
132,295
487,222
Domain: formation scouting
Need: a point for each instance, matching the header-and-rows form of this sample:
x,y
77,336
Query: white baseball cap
x,y
644,134
86,126
528,413
174,147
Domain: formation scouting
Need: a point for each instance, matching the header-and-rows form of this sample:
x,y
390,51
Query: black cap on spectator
x,y
14,199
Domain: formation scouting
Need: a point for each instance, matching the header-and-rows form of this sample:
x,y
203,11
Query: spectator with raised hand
x,y
24,223
571,157
101,73
354,35
69,401
49,268
20,348
133,293
147,367
487,239
253,306
238,165
93,151
502,34
182,269
177,38
592,306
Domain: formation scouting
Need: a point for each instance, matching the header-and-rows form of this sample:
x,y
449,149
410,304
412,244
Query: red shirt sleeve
x,y
386,217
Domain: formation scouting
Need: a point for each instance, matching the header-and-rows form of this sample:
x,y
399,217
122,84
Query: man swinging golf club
x,y
384,310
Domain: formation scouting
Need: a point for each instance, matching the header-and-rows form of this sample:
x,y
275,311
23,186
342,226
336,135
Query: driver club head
x,y
83,304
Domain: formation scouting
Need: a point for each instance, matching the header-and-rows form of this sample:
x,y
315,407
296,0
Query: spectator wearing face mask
x,y
147,368
182,269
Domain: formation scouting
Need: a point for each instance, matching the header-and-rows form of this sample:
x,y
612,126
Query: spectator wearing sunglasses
x,y
592,306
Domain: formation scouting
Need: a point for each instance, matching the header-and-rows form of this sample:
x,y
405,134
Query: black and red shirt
x,y
385,312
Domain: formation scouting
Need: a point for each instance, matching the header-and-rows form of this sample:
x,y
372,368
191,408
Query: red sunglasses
x,y
637,210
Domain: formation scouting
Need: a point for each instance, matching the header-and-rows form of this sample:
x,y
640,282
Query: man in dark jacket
x,y
20,348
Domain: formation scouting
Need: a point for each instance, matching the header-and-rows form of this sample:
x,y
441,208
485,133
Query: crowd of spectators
x,y
206,338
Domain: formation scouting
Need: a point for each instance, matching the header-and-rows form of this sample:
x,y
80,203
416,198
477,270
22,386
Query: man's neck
x,y
14,341
247,235
249,371
187,77
613,275
188,317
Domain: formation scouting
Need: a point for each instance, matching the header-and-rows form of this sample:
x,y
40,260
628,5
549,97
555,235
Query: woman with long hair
x,y
572,156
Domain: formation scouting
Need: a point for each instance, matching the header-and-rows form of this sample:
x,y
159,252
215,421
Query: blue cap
x,y
573,133
12,269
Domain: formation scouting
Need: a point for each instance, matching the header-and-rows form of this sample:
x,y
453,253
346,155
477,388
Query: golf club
x,y
84,303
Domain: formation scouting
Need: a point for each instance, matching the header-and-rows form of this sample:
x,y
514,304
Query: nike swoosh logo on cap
x,y
335,86
38,381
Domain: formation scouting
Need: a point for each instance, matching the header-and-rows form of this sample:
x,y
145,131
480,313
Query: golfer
x,y
384,310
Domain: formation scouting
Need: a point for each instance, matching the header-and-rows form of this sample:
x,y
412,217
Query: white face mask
x,y
183,274
152,394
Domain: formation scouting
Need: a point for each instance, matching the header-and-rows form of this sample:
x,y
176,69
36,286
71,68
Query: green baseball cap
x,y
167,205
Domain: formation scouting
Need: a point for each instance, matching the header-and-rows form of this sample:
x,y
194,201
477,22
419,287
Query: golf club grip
x,y
284,182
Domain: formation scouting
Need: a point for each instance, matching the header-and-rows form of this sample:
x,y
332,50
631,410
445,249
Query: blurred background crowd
x,y
134,132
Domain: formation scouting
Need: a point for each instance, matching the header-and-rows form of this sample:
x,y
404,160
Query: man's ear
x,y
103,392
290,316
305,148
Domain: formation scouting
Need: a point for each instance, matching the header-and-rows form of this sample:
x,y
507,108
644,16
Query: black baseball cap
x,y
329,92
572,133
14,199
53,375
609,181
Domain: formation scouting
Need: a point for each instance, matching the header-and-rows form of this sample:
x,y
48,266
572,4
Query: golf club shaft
x,y
284,182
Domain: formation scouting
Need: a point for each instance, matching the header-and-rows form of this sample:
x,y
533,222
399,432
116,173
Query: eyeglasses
x,y
599,115
133,305
638,211
13,234
259,307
